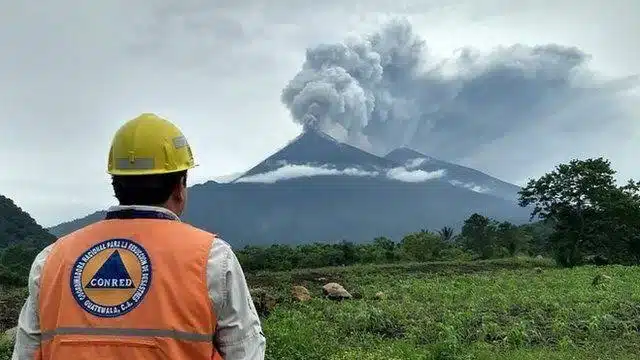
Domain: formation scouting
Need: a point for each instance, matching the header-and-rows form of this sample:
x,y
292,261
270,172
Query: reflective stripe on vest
x,y
178,335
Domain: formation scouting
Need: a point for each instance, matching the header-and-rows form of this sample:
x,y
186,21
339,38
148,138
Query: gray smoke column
x,y
384,91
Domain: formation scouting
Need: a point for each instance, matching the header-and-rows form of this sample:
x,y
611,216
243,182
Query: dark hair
x,y
146,189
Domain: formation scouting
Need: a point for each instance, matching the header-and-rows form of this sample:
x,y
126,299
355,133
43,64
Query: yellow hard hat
x,y
149,145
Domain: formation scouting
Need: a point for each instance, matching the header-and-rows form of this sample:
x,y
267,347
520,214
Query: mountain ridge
x,y
316,188
317,148
458,175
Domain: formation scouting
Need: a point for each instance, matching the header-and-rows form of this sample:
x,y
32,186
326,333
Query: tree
x,y
511,239
592,216
349,252
479,235
446,234
387,247
539,233
21,238
422,246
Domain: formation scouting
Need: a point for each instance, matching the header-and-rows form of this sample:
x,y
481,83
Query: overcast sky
x,y
73,71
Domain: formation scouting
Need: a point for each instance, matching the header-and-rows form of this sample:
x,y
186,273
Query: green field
x,y
506,309
487,310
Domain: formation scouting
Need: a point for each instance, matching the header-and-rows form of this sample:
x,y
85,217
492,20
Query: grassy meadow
x,y
512,309
507,309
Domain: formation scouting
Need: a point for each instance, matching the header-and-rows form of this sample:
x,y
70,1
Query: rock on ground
x,y
335,291
300,293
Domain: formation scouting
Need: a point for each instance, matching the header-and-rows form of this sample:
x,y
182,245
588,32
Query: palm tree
x,y
446,233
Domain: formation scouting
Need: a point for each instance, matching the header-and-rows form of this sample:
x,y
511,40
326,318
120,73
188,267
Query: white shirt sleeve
x,y
28,331
239,333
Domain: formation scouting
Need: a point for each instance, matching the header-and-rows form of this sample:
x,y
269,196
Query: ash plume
x,y
384,91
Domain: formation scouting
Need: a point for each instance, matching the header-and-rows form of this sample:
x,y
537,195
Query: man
x,y
140,284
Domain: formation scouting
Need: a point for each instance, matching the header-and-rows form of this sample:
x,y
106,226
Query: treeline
x,y
585,218
479,238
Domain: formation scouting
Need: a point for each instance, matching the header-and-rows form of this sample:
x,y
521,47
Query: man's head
x,y
165,190
148,162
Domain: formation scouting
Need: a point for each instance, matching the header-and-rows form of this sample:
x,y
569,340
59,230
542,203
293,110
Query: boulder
x,y
300,293
335,291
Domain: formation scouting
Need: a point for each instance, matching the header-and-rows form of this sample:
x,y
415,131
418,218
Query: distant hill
x,y
18,227
318,189
21,238
72,225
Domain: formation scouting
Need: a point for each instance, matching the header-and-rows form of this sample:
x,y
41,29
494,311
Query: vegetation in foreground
x,y
517,309
507,309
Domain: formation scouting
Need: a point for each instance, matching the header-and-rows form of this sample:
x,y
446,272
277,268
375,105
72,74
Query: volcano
x,y
456,175
317,189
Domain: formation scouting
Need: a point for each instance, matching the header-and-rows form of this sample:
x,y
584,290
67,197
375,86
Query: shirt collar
x,y
145,208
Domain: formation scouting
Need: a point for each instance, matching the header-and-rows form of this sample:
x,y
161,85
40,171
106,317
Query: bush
x,y
6,348
11,302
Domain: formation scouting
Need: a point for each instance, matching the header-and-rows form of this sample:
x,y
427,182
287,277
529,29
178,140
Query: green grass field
x,y
485,310
513,309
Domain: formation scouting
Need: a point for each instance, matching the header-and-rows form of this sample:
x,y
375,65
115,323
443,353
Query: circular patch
x,y
111,278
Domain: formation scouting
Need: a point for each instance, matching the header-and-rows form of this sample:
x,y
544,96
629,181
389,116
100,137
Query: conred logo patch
x,y
111,278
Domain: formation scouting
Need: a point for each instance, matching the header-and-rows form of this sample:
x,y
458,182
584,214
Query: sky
x,y
73,71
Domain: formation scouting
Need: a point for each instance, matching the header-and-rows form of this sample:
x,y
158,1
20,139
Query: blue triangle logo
x,y
111,275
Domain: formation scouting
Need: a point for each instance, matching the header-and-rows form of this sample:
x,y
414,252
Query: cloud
x,y
405,175
470,186
415,163
293,171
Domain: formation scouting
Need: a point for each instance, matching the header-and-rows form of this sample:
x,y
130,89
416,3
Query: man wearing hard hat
x,y
140,284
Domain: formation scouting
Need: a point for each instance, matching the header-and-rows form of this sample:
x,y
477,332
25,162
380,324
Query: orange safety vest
x,y
128,287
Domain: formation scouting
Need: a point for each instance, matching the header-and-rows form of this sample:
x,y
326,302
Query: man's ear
x,y
179,190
